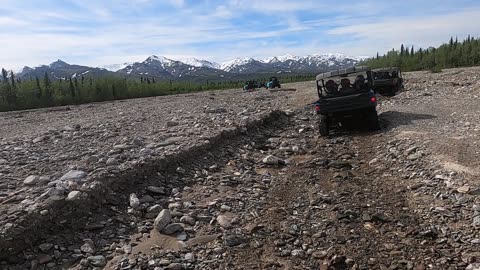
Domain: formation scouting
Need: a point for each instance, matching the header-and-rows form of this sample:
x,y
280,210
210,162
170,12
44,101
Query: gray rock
x,y
182,236
216,110
174,205
188,220
127,249
473,266
174,266
54,194
476,221
92,160
39,139
87,248
45,247
289,112
31,180
340,164
172,228
43,259
134,201
74,175
156,190
225,221
172,123
74,195
234,240
162,220
320,254
226,208
112,162
272,160
147,199
153,211
98,261
414,156
189,257
298,253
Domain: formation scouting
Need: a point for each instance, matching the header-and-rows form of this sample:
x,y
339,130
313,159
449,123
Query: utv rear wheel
x,y
324,125
372,119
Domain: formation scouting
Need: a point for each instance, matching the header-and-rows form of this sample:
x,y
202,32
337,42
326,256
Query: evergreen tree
x,y
48,91
449,55
5,87
12,79
12,95
38,88
72,89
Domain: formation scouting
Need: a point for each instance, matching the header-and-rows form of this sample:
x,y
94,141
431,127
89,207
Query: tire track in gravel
x,y
364,221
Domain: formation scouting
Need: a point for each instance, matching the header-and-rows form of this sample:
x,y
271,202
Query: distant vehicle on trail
x,y
387,81
273,83
252,85
249,86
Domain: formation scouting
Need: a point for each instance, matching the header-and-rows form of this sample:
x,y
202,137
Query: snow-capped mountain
x,y
62,70
116,67
165,68
243,65
200,63
290,64
161,67
282,58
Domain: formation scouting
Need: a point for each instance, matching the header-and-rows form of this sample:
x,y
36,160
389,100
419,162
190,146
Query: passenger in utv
x,y
359,83
345,83
331,87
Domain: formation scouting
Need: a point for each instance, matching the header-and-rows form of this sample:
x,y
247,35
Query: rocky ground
x,y
219,181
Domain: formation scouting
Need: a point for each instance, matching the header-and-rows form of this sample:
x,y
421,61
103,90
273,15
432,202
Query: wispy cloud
x,y
114,31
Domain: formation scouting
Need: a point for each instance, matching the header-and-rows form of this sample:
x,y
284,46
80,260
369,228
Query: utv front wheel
x,y
324,125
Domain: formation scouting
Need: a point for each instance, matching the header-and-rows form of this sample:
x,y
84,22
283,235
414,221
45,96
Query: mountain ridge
x,y
162,67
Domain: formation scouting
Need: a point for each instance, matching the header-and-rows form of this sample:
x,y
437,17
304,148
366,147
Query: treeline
x,y
449,55
16,94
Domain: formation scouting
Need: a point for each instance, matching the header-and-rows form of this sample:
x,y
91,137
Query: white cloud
x,y
177,3
421,31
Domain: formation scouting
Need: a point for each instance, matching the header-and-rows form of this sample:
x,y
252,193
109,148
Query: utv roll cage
x,y
387,73
327,87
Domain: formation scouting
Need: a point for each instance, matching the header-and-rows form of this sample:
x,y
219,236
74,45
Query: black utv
x,y
273,82
249,86
387,81
346,95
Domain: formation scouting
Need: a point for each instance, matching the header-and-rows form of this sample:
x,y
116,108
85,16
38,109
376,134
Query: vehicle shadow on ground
x,y
388,121
393,119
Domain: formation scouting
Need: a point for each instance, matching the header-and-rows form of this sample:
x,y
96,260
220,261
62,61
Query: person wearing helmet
x,y
331,87
359,83
345,83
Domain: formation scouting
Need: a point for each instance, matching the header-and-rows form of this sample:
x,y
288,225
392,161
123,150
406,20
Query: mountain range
x,y
160,67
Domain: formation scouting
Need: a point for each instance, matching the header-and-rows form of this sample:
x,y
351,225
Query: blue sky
x,y
106,32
